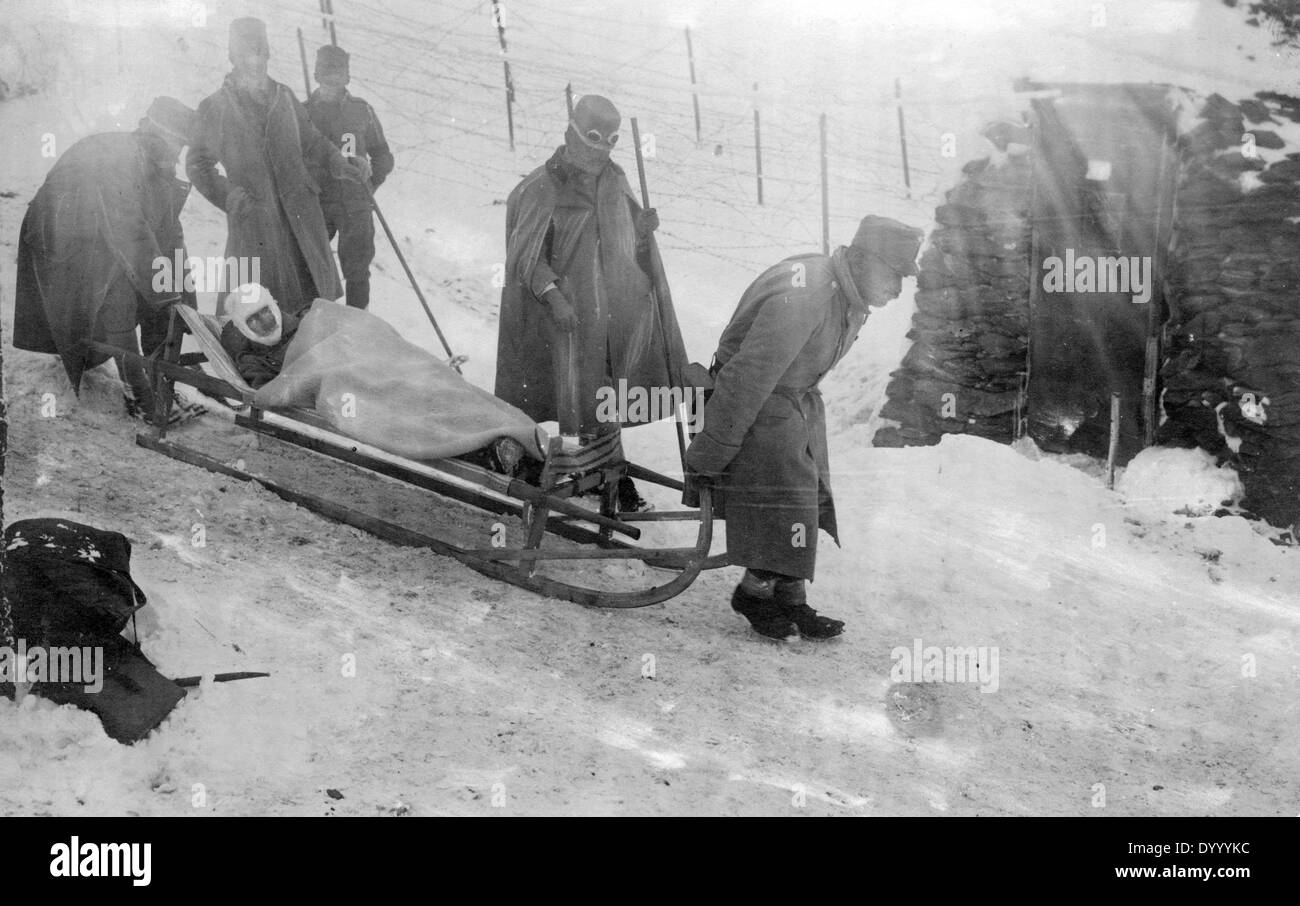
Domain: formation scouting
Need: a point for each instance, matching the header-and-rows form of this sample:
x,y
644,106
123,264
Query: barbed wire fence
x,y
439,81
451,116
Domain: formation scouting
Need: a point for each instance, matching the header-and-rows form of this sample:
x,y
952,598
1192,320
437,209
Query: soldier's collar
x,y
563,167
344,95
844,276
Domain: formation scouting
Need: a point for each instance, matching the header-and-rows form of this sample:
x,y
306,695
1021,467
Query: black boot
x,y
791,600
506,454
753,600
630,499
136,388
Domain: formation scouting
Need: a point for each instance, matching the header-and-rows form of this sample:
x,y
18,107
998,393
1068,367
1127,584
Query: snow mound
x,y
1165,480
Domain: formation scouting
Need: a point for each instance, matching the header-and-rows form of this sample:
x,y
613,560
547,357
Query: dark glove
x,y
238,202
363,168
694,483
647,222
706,459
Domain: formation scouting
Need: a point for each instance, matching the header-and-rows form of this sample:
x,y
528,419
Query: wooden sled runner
x,y
544,509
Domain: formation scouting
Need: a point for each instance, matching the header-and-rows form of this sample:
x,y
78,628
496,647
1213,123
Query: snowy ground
x,y
1147,662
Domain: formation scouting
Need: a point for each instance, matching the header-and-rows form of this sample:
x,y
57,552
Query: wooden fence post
x,y
758,147
302,52
902,134
1114,440
695,97
505,63
826,197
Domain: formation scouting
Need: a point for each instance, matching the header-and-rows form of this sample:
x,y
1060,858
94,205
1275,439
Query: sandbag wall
x,y
963,372
1233,282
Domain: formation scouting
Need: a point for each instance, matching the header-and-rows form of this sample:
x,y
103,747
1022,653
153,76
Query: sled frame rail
x,y
544,509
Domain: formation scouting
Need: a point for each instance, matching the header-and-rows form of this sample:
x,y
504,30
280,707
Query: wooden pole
x,y
302,52
455,359
758,147
6,623
695,97
1151,372
1114,440
902,134
324,20
568,98
658,297
1035,286
329,8
826,196
505,64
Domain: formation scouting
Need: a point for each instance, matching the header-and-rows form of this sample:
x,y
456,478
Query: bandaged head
x,y
256,314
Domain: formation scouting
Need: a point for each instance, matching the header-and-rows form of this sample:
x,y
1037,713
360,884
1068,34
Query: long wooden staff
x,y
658,297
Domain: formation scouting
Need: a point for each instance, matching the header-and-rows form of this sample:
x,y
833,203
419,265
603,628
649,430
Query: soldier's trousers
x,y
120,330
356,232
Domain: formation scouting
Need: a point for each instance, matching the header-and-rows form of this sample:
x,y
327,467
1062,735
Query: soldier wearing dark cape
x,y
97,249
585,302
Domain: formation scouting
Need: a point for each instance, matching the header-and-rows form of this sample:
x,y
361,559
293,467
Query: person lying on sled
x,y
369,383
258,333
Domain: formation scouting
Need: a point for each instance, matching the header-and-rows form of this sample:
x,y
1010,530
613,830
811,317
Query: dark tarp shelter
x,y
1103,188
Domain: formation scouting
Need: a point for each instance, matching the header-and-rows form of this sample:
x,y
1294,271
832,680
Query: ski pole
x,y
383,221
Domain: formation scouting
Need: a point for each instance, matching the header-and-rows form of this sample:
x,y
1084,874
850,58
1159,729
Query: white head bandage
x,y
246,302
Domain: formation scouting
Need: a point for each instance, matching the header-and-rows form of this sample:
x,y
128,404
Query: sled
x,y
546,509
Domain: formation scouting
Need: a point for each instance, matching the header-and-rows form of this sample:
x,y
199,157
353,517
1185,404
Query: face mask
x,y
583,156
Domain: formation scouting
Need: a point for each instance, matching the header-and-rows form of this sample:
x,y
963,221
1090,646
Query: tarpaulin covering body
x,y
356,371
1103,192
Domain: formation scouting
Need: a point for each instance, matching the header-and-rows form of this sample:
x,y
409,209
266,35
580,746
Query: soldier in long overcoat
x,y
98,249
273,155
585,303
763,444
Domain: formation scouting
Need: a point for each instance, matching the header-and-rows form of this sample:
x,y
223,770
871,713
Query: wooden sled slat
x,y
544,510
695,558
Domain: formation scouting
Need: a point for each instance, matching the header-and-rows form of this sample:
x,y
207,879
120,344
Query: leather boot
x,y
790,597
136,389
630,499
753,600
